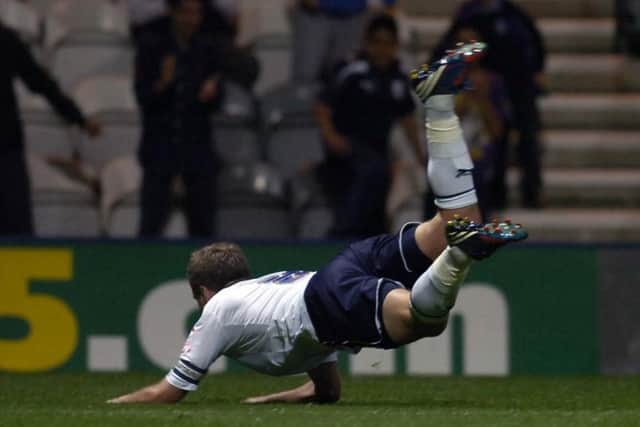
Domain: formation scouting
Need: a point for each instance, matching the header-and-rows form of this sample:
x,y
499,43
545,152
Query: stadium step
x,y
591,149
587,73
561,35
585,188
578,225
591,111
547,8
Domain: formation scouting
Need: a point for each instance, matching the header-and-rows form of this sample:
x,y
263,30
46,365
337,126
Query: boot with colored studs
x,y
479,241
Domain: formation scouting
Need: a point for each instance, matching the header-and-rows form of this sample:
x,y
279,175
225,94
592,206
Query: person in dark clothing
x,y
516,52
238,63
355,114
177,87
15,194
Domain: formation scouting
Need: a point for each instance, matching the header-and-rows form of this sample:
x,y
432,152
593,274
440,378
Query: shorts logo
x,y
464,172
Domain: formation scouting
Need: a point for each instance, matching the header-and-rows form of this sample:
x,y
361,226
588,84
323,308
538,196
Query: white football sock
x,y
435,291
450,166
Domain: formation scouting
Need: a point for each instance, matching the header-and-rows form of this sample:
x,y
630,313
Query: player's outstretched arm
x,y
324,387
161,392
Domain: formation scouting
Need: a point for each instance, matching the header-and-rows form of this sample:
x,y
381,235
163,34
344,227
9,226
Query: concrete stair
x,y
591,111
591,119
587,73
585,187
579,225
561,35
591,149
546,8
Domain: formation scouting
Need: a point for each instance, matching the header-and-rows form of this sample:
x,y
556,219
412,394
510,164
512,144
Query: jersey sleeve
x,y
205,343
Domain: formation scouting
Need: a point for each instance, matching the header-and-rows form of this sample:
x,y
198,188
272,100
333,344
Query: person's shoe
x,y
448,75
481,240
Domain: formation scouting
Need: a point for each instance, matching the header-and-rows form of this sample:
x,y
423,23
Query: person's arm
x,y
210,93
205,343
410,126
336,142
160,392
155,74
324,387
38,80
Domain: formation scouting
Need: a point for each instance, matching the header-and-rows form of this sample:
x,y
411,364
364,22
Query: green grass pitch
x,y
77,400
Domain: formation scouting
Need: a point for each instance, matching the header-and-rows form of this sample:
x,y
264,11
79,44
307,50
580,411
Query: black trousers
x,y
358,186
15,195
199,203
526,120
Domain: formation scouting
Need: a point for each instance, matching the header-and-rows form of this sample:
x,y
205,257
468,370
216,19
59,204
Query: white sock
x,y
450,166
435,291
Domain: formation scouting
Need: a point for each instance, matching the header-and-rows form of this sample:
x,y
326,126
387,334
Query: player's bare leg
x,y
423,311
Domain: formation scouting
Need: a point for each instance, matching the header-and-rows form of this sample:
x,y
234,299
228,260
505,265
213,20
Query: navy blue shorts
x,y
344,299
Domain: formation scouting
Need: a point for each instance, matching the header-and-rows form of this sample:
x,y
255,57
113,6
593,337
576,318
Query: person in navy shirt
x,y
355,113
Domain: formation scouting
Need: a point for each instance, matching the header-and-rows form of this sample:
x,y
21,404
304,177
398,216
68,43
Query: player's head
x,y
187,15
215,267
381,40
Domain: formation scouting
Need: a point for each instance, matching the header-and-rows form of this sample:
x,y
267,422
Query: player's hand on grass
x,y
119,399
256,400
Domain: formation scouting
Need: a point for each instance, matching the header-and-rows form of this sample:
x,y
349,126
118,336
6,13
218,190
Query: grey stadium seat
x,y
125,217
65,214
314,216
77,58
62,207
252,204
99,18
21,17
106,93
46,135
120,137
120,202
274,54
236,140
295,146
315,222
293,137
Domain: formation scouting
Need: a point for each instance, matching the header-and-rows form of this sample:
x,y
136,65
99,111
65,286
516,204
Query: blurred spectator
x,y
143,12
219,23
15,195
355,115
326,32
516,52
628,26
177,87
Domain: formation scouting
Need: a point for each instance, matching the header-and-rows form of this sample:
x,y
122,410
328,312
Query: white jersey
x,y
262,323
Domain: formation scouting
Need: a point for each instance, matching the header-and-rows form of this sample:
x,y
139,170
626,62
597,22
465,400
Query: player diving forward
x,y
381,292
